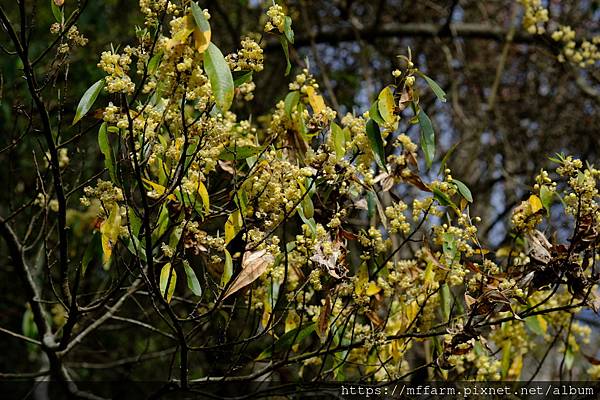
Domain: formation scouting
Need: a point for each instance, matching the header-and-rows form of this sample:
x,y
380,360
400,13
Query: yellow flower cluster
x,y
586,54
117,66
249,58
276,19
105,191
397,219
535,16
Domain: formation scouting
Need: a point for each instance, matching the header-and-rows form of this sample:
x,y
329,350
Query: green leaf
x,y
199,17
287,340
308,207
450,248
371,204
107,151
441,197
134,222
286,51
28,326
287,29
374,113
439,92
427,137
87,100
232,153
376,142
162,224
546,196
93,251
227,269
56,11
463,190
308,221
154,62
339,140
446,297
219,75
291,101
569,358
241,77
534,324
192,280
168,276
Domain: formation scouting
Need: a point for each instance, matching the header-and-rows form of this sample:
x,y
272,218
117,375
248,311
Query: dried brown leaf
x,y
254,264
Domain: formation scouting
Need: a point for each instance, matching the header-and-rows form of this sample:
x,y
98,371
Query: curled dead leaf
x,y
254,264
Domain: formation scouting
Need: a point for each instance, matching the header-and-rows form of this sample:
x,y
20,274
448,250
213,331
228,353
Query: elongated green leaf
x,y
107,151
447,157
463,190
287,29
310,222
56,11
286,52
241,77
134,222
232,153
87,100
439,92
291,101
227,269
286,341
192,280
154,62
374,113
371,204
427,137
376,141
199,17
219,75
441,197
446,301
546,196
168,276
339,140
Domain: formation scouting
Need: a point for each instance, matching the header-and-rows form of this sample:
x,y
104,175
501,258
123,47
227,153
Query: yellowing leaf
x,y
110,230
168,277
515,369
233,226
386,105
204,196
316,100
291,321
201,40
535,203
254,264
159,189
505,251
362,279
372,289
181,36
202,32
